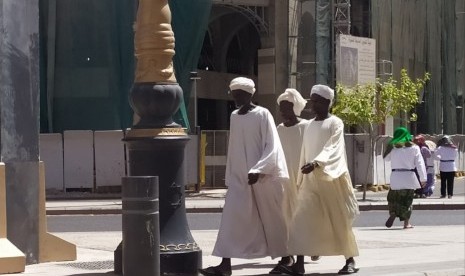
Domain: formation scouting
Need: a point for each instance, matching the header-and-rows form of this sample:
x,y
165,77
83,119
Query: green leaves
x,y
372,103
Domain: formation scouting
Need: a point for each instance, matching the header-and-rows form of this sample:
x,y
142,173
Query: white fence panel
x,y
78,159
358,149
51,153
109,158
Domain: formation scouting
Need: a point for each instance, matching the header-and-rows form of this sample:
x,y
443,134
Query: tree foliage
x,y
372,103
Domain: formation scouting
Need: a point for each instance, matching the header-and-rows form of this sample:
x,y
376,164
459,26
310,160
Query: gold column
x,y
154,42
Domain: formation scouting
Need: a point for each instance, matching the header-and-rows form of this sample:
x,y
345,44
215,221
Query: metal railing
x,y
214,148
215,145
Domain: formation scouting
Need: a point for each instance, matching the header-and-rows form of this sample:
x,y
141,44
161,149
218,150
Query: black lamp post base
x,y
160,152
185,263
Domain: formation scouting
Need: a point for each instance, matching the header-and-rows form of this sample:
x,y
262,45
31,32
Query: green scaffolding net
x,y
87,60
426,36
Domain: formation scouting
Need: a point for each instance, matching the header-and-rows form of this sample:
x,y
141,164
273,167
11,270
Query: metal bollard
x,y
141,230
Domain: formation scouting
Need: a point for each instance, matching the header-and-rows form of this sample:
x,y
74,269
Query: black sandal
x,y
292,270
214,271
349,268
279,269
282,268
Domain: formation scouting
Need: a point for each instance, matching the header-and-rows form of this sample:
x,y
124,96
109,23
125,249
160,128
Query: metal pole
x,y
141,230
194,77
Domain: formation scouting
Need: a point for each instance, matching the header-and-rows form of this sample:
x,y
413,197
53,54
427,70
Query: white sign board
x,y
355,60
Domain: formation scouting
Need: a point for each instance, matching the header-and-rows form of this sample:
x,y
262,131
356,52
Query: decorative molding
x,y
179,247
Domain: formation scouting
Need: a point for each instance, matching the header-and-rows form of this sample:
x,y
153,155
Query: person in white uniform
x,y
253,223
326,206
408,174
446,153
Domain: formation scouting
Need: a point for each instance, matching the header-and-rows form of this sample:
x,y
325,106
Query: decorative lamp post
x,y
156,143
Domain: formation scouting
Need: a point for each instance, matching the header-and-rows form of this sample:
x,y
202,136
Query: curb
x,y
200,210
418,206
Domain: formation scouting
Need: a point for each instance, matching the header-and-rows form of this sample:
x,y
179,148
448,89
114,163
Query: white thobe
x,y
406,158
252,224
291,140
322,224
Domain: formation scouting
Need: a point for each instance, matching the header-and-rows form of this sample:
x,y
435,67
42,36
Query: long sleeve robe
x,y
326,207
291,140
252,224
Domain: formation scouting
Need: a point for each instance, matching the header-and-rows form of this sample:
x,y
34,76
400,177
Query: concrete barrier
x,y
51,152
78,159
51,248
109,159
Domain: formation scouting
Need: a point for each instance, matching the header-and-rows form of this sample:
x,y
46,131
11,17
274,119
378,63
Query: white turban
x,y
293,96
324,91
243,84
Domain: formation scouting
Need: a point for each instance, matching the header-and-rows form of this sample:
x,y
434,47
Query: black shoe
x,y
214,271
349,268
390,221
282,268
291,270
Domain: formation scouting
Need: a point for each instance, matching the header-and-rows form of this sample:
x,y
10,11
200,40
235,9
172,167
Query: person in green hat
x,y
408,173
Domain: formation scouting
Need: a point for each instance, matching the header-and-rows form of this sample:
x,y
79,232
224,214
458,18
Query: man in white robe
x,y
252,224
290,131
326,207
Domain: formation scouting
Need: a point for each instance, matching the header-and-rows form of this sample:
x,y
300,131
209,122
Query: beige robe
x,y
291,140
326,207
252,224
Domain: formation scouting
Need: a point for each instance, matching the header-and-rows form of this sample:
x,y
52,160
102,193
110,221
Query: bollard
x,y
141,234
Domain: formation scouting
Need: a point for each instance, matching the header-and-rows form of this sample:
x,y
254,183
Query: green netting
x,y
87,66
323,41
87,60
189,21
425,36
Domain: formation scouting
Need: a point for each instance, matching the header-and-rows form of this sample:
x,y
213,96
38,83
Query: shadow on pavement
x,y
306,274
111,273
252,265
394,228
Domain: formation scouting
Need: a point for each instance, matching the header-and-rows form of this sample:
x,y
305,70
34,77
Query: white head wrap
x,y
324,91
293,96
243,84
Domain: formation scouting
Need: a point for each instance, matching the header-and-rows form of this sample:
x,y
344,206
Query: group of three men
x,y
289,190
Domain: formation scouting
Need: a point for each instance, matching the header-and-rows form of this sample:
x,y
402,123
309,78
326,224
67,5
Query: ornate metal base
x,y
157,152
155,103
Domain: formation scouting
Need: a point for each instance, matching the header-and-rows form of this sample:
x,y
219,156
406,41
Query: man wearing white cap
x,y
252,224
290,131
326,205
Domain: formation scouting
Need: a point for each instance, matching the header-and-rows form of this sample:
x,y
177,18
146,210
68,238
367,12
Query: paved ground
x,y
424,250
434,251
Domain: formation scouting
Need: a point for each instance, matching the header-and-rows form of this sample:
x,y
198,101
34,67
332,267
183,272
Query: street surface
x,y
206,221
